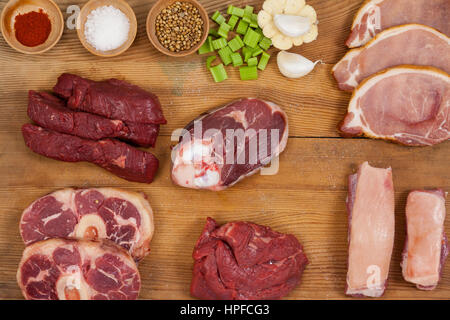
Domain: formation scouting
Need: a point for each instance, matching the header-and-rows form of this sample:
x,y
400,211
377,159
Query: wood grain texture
x,y
306,198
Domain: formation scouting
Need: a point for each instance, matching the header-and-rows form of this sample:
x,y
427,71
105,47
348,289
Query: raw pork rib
x,y
221,147
370,206
245,261
114,99
412,44
50,112
409,105
117,157
60,269
426,244
377,15
123,217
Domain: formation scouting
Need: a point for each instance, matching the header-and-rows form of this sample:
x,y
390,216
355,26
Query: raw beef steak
x,y
58,269
123,217
51,113
225,145
113,99
245,261
117,157
409,105
377,15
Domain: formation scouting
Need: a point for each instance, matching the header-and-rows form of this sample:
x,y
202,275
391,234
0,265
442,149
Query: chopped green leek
x,y
236,43
263,61
252,62
225,55
219,43
223,30
209,61
242,27
265,43
232,22
248,14
254,21
213,32
206,47
236,58
219,73
218,18
248,73
251,38
238,12
230,9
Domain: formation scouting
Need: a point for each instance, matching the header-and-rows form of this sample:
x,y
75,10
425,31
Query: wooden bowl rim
x,y
46,48
125,47
151,28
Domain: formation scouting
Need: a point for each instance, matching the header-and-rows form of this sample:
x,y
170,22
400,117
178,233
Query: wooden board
x,y
306,198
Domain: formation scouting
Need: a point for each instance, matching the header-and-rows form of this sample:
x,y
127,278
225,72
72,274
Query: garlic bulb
x,y
293,65
288,23
292,26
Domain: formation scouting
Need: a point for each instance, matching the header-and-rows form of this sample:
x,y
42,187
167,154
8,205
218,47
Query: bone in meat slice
x,y
59,269
370,206
123,217
406,104
225,145
377,15
411,44
426,243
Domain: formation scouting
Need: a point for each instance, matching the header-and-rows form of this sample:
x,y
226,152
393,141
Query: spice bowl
x,y
124,7
152,32
14,8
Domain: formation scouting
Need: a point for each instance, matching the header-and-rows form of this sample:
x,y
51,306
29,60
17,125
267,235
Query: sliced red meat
x,y
370,206
117,157
60,269
123,217
113,99
412,44
245,261
426,247
225,145
377,15
409,105
50,112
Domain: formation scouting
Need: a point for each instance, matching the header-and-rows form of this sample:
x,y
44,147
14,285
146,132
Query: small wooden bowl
x,y
151,27
118,4
16,7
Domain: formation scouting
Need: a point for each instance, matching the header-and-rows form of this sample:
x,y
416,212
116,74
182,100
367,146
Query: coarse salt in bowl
x,y
106,28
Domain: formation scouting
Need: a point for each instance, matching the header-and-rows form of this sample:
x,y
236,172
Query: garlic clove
x,y
274,6
263,19
281,42
308,11
292,26
270,30
293,65
311,35
294,6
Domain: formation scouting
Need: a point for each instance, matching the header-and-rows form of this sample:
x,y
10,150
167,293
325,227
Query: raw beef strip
x,y
377,15
50,112
117,157
370,206
412,44
59,269
409,105
225,145
123,217
426,243
113,99
245,261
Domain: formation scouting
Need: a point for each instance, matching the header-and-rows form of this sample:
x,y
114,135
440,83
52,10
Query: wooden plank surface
x,y
306,198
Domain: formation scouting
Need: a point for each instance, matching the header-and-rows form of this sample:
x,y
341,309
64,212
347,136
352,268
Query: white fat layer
x,y
367,292
209,179
354,108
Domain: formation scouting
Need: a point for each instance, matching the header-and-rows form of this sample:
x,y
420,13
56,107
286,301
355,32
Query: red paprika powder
x,y
32,28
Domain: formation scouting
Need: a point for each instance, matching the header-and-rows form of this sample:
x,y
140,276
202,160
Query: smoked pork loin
x,y
407,104
377,15
225,145
123,217
60,269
